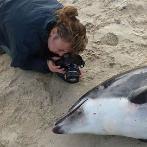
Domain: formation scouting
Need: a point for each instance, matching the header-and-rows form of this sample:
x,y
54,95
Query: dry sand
x,y
30,102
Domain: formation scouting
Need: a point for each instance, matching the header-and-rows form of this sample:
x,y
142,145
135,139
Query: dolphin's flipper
x,y
139,96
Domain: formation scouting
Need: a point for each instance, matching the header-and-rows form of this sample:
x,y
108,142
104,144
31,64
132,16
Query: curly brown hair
x,y
70,29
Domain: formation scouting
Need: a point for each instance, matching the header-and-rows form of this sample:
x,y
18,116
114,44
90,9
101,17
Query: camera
x,y
71,64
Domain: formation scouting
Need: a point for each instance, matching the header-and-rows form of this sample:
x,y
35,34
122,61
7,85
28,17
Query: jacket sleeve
x,y
25,56
30,63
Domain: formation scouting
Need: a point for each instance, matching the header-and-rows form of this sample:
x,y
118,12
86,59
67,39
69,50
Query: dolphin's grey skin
x,y
117,106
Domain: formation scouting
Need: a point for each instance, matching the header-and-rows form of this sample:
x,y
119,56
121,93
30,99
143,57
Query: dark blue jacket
x,y
24,29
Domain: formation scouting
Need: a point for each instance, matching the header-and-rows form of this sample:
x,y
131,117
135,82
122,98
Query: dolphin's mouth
x,y
57,127
71,110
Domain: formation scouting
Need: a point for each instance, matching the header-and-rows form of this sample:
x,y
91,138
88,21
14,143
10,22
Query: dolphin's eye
x,y
79,112
72,117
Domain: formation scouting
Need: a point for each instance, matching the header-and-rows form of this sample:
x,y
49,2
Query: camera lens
x,y
72,76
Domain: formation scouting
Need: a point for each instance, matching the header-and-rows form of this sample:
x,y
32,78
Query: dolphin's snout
x,y
58,130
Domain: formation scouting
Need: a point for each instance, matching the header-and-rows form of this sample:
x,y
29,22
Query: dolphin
x,y
117,106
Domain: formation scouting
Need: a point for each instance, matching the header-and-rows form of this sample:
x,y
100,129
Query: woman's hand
x,y
81,73
53,68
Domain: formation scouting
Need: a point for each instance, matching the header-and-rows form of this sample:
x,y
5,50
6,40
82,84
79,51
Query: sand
x,y
31,102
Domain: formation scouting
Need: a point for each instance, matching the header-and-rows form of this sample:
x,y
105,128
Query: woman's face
x,y
57,45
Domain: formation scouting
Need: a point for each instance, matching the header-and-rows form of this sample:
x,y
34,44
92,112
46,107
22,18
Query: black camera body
x,y
71,64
